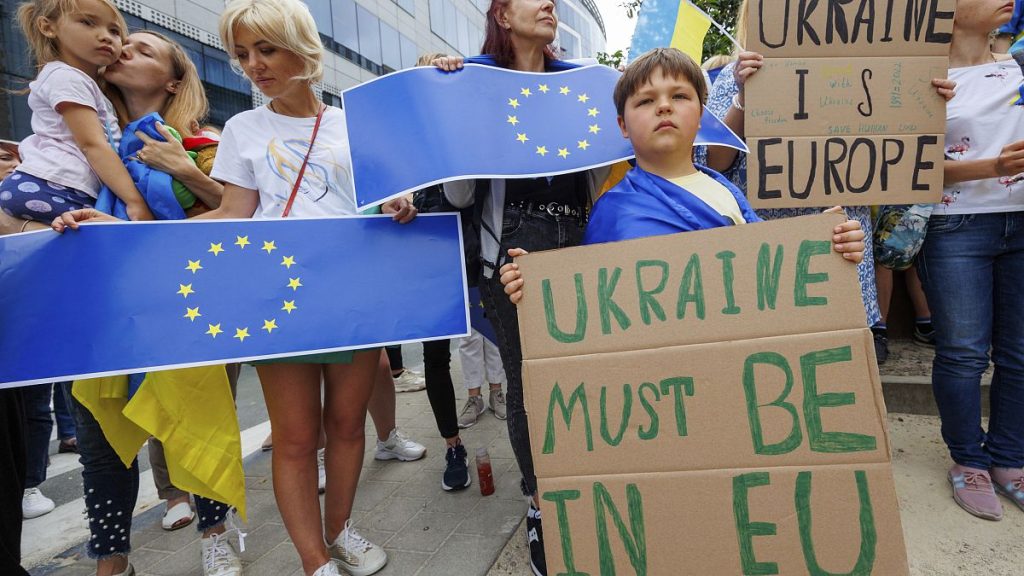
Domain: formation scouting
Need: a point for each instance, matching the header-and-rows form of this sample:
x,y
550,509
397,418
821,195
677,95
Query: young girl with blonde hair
x,y
72,151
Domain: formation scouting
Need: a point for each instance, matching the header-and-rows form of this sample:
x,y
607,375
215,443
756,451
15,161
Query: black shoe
x,y
881,346
535,539
925,334
456,471
68,446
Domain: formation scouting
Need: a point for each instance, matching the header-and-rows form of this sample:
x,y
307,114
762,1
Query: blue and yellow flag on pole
x,y
123,298
670,24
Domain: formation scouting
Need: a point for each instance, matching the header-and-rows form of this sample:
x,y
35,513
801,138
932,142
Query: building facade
x,y
364,39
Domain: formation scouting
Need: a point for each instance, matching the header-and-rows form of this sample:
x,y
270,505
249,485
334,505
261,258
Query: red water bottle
x,y
483,471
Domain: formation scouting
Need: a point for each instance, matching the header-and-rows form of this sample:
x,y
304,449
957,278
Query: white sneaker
x,y
321,471
471,411
409,381
329,569
219,557
356,554
34,504
399,446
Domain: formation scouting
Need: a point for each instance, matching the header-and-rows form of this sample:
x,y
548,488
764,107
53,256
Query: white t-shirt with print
x,y
262,150
50,152
980,120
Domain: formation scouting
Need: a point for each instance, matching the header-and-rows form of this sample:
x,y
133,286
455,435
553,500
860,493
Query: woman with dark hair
x,y
529,213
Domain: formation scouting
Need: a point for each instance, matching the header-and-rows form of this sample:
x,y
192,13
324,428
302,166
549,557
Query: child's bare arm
x,y
90,138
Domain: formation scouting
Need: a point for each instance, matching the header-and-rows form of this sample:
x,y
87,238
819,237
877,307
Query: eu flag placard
x,y
423,126
134,297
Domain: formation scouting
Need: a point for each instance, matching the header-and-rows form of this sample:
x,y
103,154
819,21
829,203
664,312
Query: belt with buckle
x,y
550,208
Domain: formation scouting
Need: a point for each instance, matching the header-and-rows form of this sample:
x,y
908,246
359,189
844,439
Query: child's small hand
x,y
848,240
511,277
945,88
138,212
73,218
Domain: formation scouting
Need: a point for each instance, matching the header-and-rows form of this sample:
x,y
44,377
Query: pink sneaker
x,y
972,490
1010,483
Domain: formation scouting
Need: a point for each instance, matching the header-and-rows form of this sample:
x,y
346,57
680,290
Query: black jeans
x,y
111,491
437,358
38,427
532,232
12,479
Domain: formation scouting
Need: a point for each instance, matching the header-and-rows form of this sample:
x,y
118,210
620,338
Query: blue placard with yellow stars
x,y
136,297
422,126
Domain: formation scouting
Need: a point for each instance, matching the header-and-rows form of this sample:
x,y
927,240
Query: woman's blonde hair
x,y
185,107
43,48
286,24
741,26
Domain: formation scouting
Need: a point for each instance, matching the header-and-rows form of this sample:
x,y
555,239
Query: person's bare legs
x,y
292,395
347,390
382,402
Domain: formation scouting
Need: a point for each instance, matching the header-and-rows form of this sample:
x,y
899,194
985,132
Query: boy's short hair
x,y
672,62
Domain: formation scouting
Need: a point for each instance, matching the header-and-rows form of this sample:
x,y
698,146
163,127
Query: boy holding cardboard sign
x,y
659,100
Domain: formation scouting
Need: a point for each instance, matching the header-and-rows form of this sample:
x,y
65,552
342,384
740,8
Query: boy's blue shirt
x,y
644,204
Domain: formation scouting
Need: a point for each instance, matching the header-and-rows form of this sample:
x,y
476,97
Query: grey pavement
x,y
400,505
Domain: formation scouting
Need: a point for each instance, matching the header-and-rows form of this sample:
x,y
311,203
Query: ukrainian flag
x,y
670,24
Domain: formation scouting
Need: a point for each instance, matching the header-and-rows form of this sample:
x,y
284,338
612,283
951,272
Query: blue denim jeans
x,y
111,491
532,232
38,427
972,269
62,412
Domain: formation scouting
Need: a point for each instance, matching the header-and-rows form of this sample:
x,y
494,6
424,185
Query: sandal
x,y
177,516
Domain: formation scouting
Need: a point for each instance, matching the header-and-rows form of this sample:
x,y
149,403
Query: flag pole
x,y
716,25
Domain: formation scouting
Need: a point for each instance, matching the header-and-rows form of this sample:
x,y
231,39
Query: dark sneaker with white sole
x,y
456,471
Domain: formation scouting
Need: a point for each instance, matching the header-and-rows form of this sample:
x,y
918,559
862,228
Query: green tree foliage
x,y
723,11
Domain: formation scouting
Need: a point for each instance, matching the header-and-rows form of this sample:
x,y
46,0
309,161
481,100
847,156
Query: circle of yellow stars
x,y
542,150
241,332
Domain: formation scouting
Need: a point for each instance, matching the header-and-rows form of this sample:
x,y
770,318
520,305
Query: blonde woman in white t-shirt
x,y
277,46
72,151
972,267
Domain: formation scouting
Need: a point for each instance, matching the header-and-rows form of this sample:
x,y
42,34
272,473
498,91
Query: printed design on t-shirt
x,y
1001,73
956,152
321,177
1010,181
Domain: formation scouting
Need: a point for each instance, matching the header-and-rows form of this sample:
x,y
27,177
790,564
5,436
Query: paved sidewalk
x,y
400,505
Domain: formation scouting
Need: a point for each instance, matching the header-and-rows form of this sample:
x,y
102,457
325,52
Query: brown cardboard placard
x,y
838,80
753,440
846,28
736,283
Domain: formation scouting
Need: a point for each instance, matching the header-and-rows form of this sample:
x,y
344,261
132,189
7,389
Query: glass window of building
x,y
437,17
391,48
410,53
369,34
407,5
451,27
321,12
463,38
343,14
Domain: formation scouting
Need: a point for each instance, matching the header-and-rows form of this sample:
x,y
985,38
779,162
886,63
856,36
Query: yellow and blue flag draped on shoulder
x,y
422,126
670,24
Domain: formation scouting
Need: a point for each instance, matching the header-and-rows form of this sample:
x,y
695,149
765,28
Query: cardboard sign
x,y
843,110
708,403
